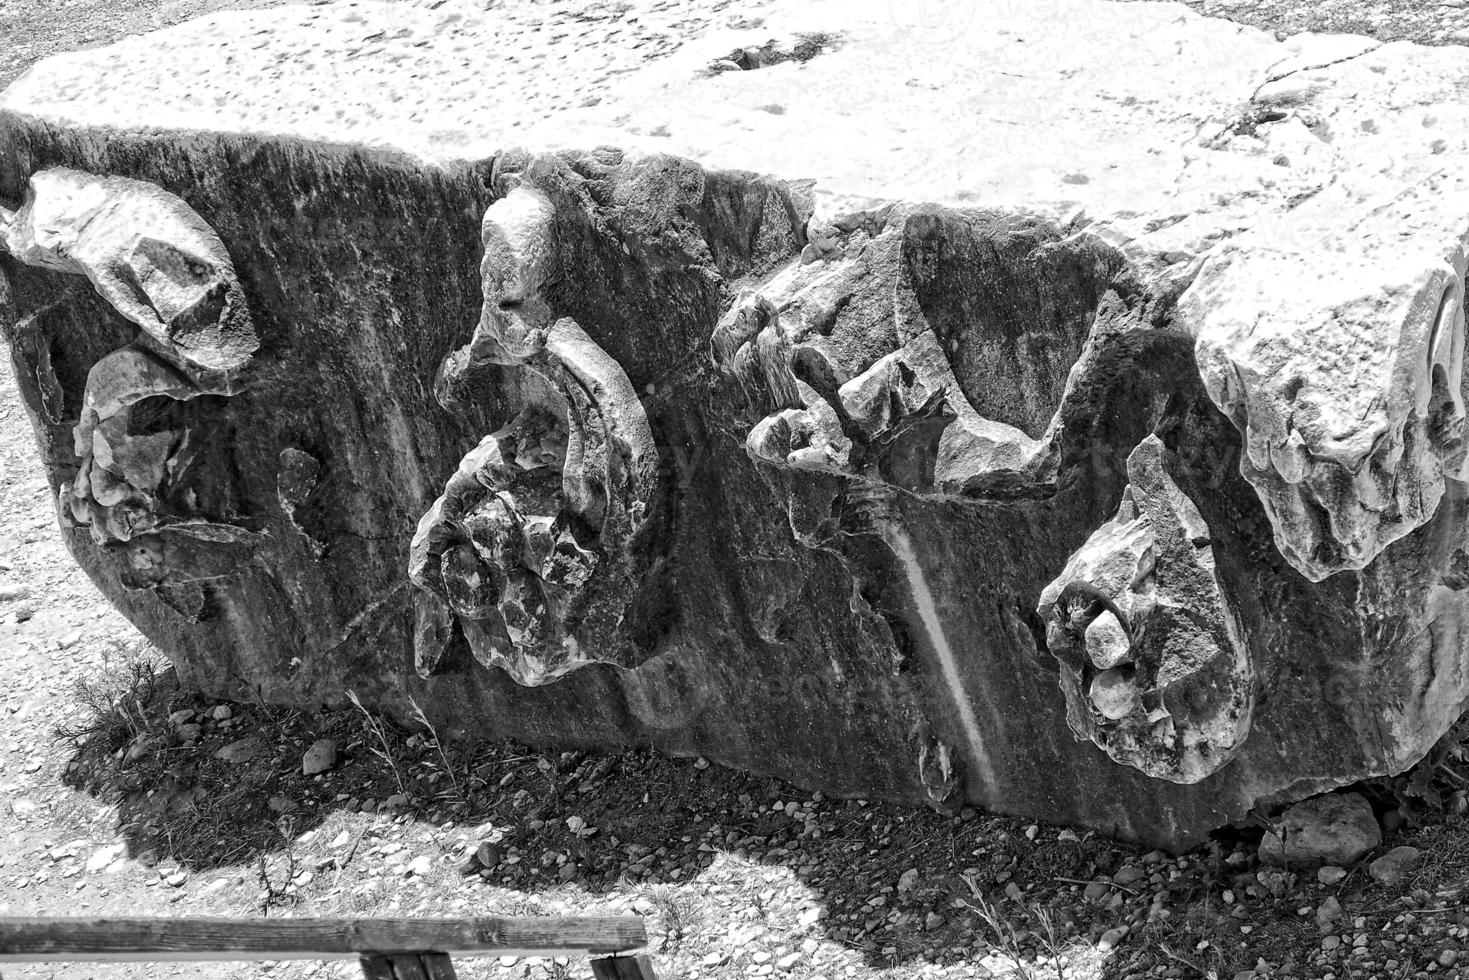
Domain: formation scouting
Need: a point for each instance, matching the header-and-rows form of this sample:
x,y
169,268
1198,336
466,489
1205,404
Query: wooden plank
x,y
437,966
377,968
623,968
408,966
154,940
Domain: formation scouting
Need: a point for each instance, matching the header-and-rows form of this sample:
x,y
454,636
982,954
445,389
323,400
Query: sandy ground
x,y
32,29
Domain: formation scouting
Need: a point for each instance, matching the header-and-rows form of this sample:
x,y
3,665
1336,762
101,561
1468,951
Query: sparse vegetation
x,y
444,767
1439,781
703,852
278,889
679,913
111,708
384,745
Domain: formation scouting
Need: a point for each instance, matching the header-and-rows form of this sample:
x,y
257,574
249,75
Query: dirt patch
x,y
801,48
213,812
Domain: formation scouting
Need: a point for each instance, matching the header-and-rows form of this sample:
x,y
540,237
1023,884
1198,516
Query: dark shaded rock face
x,y
919,504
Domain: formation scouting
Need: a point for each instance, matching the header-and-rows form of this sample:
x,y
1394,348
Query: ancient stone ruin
x,y
940,415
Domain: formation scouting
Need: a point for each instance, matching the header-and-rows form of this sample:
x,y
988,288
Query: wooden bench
x,y
389,949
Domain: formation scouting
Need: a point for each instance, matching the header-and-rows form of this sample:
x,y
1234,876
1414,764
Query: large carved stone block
x,y
1069,442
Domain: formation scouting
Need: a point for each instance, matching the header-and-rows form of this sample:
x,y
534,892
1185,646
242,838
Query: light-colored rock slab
x,y
999,102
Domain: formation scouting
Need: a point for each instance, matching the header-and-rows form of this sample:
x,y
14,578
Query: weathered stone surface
x,y
160,266
1173,692
532,548
1332,830
1394,866
320,756
1119,484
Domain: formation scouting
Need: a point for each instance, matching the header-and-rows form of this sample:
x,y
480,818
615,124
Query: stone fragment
x,y
1393,868
319,757
1343,469
242,750
161,267
1113,694
488,854
104,857
1328,913
1107,644
1275,881
147,253
1336,829
1128,874
1179,708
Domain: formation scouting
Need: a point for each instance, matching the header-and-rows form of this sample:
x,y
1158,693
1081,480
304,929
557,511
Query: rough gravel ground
x,y
739,876
32,29
1424,21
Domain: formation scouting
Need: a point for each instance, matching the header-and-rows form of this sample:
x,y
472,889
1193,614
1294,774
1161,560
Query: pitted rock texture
x,y
1153,660
1352,410
1336,829
538,544
1106,480
137,439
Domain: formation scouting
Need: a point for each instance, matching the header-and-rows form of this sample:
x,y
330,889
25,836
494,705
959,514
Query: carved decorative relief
x,y
900,421
163,268
1353,420
551,501
1153,660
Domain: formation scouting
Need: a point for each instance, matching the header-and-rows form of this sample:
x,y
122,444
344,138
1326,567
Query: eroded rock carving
x,y
163,268
149,255
553,499
1154,664
901,420
1353,415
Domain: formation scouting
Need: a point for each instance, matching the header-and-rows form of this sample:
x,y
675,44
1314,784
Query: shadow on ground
x,y
211,785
